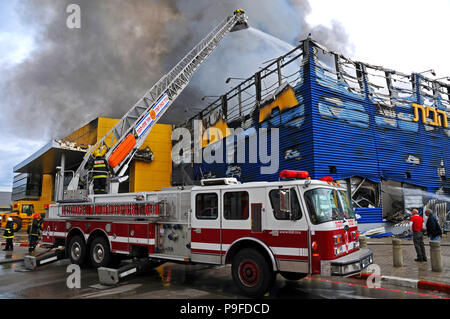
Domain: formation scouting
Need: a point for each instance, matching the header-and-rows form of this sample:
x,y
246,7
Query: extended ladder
x,y
125,138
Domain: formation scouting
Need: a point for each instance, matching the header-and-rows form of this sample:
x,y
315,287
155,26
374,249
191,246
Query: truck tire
x,y
17,225
292,275
100,254
252,273
77,250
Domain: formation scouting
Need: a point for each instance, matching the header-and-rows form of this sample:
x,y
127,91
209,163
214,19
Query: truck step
x,y
170,257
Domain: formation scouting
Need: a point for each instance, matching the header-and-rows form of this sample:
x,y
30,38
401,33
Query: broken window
x,y
325,65
402,90
427,92
365,193
350,75
377,81
399,199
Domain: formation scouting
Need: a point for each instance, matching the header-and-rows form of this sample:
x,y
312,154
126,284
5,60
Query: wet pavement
x,y
180,282
382,255
177,281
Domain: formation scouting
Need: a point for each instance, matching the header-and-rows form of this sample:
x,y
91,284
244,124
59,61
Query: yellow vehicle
x,y
22,215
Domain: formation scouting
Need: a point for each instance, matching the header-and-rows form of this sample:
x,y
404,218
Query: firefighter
x,y
9,234
100,174
34,232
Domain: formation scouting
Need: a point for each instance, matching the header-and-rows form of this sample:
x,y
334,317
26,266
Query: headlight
x,y
351,268
345,269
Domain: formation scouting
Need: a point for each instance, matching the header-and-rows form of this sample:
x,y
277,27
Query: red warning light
x,y
294,174
327,179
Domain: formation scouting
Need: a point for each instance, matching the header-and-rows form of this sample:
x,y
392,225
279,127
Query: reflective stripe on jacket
x,y
34,228
100,168
100,176
8,230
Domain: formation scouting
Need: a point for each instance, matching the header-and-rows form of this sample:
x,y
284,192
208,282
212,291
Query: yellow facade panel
x,y
285,100
46,195
144,176
86,135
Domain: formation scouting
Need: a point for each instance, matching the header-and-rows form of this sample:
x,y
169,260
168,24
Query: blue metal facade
x,y
345,125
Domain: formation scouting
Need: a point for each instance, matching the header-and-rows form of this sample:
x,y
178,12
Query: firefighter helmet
x,y
100,152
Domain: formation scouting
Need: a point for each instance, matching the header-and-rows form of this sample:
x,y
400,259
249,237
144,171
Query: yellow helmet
x,y
103,151
100,152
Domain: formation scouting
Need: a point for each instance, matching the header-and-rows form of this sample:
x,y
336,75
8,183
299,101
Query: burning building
x,y
382,133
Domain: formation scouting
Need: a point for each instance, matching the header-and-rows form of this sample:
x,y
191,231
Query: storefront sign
x,y
439,116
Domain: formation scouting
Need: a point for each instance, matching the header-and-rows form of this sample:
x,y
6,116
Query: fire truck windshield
x,y
326,204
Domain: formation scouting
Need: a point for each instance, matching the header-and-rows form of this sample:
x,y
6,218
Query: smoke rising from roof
x,y
124,47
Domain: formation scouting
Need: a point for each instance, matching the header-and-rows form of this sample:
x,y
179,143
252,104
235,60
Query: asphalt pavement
x,y
413,274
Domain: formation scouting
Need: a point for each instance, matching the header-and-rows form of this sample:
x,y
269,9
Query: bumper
x,y
349,264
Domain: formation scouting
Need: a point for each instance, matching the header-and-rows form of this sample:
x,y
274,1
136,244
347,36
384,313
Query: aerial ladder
x,y
125,138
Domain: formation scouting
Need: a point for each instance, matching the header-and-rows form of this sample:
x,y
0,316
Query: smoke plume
x,y
124,47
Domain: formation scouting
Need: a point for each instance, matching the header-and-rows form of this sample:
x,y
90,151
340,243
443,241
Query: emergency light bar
x,y
327,179
294,174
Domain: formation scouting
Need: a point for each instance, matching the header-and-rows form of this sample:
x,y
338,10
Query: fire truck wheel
x,y
292,275
77,250
100,253
252,273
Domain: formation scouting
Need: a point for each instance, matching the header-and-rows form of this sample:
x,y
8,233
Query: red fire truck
x,y
294,227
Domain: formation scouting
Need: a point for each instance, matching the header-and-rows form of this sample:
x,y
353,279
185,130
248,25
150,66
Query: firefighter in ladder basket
x,y
100,171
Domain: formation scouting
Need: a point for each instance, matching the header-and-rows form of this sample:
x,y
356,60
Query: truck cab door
x,y
288,231
206,243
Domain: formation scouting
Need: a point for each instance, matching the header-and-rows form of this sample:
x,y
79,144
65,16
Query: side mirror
x,y
285,200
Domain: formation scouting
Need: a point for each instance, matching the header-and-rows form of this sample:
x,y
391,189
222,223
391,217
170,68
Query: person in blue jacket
x,y
433,229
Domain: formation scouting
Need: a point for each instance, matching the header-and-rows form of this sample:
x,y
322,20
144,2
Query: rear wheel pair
x,y
99,253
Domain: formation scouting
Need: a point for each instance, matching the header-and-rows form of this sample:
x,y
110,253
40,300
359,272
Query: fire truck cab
x,y
294,227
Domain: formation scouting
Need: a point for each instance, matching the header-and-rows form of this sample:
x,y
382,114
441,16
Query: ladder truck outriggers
x,y
296,226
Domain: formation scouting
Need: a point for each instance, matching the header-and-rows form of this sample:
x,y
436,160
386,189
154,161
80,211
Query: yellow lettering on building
x,y
439,116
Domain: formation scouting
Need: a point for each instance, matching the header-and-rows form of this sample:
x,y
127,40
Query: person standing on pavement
x,y
416,227
33,233
9,234
433,229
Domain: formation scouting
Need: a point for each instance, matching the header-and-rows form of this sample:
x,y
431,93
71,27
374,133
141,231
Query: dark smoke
x,y
124,47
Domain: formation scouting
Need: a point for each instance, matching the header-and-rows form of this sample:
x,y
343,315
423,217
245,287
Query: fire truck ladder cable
x,y
165,91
